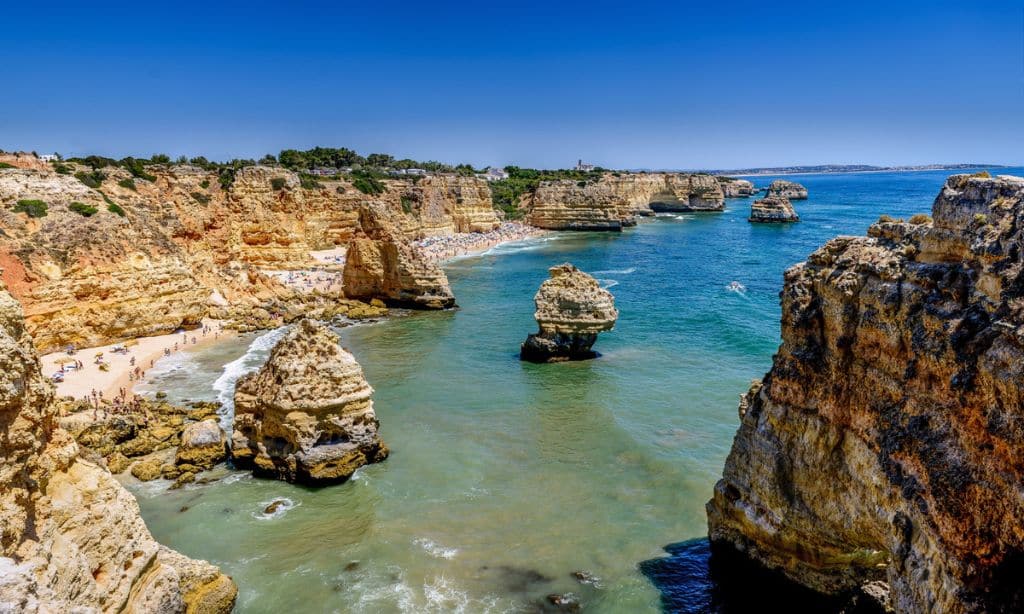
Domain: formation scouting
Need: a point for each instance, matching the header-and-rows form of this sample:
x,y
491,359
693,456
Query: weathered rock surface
x,y
71,538
886,442
187,246
773,209
307,415
736,188
382,263
614,200
787,189
572,308
203,444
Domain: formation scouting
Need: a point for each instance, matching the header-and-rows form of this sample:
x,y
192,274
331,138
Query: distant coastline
x,y
831,169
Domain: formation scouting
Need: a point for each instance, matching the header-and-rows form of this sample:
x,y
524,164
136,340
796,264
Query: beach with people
x,y
108,373
445,247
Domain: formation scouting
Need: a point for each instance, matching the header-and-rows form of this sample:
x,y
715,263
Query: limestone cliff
x,y
446,204
736,188
887,440
572,308
72,538
307,415
113,256
615,199
383,264
787,189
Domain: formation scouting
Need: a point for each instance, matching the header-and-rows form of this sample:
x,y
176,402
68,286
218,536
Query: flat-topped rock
x,y
736,188
572,308
773,209
787,189
307,415
203,444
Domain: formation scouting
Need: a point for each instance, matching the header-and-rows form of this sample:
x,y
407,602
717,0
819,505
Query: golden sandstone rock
x,y
773,209
572,308
307,415
787,189
71,538
614,200
886,441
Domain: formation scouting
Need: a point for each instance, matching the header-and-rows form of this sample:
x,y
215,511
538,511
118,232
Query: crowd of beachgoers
x,y
462,244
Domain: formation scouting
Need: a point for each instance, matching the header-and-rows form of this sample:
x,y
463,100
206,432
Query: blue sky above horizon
x,y
635,85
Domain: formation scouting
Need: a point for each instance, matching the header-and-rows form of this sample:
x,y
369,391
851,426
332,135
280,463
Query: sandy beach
x,y
147,351
463,244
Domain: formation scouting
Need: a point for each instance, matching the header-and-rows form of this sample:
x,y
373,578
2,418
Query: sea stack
x,y
773,209
572,308
382,263
307,415
885,444
787,189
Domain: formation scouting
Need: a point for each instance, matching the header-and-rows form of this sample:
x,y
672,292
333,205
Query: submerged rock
x,y
572,308
787,189
307,415
885,444
773,209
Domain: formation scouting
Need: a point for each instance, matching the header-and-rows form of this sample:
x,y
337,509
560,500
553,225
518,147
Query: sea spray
x,y
247,363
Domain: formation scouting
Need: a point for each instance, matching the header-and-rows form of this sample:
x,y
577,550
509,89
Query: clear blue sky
x,y
622,84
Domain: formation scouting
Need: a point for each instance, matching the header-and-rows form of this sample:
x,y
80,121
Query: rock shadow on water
x,y
697,579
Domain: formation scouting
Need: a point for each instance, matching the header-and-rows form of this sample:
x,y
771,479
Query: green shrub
x,y
33,208
278,183
62,169
137,169
205,184
6,165
203,199
226,177
367,184
581,184
980,219
407,204
83,209
308,181
920,218
92,179
115,208
340,189
128,183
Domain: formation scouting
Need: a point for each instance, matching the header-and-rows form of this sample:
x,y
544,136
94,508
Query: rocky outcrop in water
x,y
572,308
885,444
773,209
787,189
383,264
71,538
614,200
203,445
307,415
736,188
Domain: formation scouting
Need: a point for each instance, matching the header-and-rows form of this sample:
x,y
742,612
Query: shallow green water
x,y
506,477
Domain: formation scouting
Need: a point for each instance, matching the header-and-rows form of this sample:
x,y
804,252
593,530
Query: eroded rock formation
x,y
112,257
886,442
614,200
787,189
382,263
307,415
773,209
572,308
736,188
72,538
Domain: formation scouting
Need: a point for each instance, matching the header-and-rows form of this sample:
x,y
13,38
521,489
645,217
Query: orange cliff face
x,y
886,442
185,243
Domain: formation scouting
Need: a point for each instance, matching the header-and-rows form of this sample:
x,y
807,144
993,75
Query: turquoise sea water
x,y
506,477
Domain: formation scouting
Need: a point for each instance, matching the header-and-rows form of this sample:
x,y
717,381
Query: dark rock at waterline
x,y
566,602
518,579
585,577
274,506
698,578
354,565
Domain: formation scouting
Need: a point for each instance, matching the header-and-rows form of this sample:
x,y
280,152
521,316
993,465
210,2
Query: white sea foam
x,y
737,287
434,549
286,505
608,283
247,363
628,271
